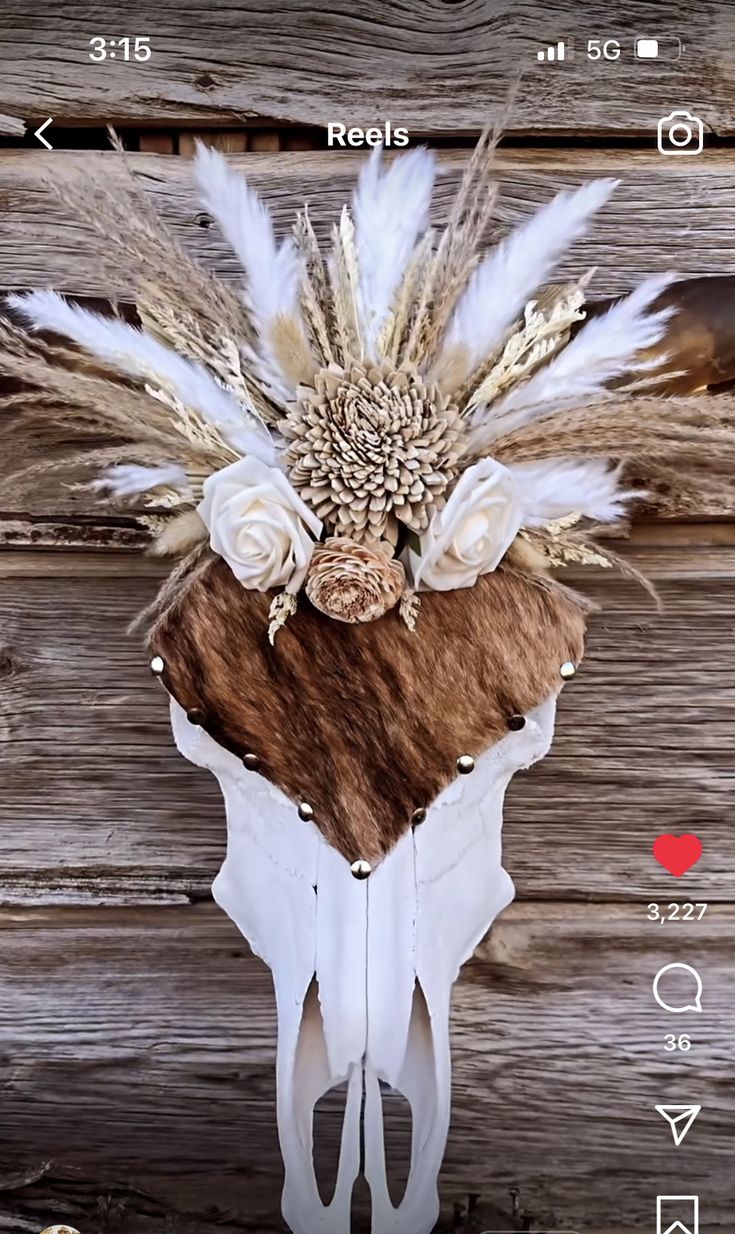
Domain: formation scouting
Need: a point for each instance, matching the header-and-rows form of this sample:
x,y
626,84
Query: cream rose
x,y
259,524
473,531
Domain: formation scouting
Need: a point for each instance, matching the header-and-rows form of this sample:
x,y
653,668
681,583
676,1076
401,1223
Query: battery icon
x,y
646,49
666,47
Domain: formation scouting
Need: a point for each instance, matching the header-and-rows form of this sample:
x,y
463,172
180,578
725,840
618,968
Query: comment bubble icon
x,y
669,984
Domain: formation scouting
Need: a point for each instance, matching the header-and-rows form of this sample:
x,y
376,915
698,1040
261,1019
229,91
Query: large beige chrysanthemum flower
x,y
372,448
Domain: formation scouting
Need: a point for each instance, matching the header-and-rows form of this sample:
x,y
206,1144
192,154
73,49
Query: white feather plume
x,y
273,271
390,208
503,282
603,350
139,355
553,488
127,479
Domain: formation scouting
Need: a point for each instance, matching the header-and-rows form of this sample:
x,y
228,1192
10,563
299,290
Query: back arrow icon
x,y
39,133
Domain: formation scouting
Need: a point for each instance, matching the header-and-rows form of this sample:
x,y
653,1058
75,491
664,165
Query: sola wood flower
x,y
473,532
259,525
370,447
353,582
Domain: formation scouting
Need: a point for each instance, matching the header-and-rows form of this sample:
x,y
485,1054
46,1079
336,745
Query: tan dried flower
x,y
353,582
372,448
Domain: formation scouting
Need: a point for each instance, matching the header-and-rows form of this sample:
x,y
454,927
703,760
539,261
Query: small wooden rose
x,y
353,582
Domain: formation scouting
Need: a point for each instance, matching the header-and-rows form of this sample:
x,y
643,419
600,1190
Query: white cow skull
x,y
363,970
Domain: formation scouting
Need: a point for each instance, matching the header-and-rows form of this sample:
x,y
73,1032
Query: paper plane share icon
x,y
679,1118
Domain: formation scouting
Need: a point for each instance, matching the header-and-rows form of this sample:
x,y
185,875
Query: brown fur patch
x,y
365,722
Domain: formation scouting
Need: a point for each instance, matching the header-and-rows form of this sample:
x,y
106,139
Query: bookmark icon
x,y
677,1214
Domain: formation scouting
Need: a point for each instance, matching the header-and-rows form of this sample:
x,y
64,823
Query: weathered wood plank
x,y
156,143
646,228
11,126
97,805
56,532
140,1046
432,66
227,142
47,544
44,563
662,548
266,141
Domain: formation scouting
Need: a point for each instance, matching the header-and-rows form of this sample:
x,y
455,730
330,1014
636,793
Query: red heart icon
x,y
677,854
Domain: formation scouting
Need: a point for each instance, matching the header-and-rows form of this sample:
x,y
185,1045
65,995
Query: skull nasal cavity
x,y
329,1113
397,1128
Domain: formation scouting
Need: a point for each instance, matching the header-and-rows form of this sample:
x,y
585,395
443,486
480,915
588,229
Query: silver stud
x,y
465,764
157,664
361,869
567,670
305,811
418,816
251,761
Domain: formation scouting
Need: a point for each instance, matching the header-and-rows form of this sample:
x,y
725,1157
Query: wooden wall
x,y
136,1030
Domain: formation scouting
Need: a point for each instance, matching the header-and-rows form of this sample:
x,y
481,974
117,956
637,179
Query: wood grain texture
x,y
96,805
126,1033
11,126
73,532
432,66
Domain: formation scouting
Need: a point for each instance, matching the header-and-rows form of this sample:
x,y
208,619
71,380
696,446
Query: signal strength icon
x,y
555,51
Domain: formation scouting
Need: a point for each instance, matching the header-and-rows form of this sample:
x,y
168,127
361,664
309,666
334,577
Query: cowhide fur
x,y
364,722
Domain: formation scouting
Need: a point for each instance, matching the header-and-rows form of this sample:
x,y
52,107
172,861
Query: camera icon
x,y
680,133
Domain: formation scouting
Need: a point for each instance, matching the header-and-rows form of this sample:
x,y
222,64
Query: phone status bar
x,y
646,48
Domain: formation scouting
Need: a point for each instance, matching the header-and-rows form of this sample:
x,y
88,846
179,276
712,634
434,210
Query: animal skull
x,y
363,970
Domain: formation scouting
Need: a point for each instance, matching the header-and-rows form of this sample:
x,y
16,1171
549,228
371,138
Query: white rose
x,y
259,524
473,531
